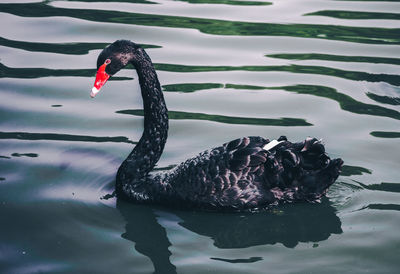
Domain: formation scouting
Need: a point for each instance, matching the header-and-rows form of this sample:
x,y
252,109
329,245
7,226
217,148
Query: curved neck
x,y
147,152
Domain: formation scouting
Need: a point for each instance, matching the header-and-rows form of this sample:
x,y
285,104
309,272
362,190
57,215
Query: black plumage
x,y
241,174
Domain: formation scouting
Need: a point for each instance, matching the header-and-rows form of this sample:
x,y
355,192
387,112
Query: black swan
x,y
246,173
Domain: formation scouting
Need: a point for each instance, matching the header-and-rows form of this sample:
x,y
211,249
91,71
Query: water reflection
x,y
63,137
384,207
31,73
149,236
357,15
389,187
395,101
354,170
336,58
62,48
391,79
288,225
238,261
228,2
190,87
180,115
385,134
213,26
118,1
30,155
345,101
317,70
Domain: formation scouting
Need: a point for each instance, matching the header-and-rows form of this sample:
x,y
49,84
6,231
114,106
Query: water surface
x,y
229,68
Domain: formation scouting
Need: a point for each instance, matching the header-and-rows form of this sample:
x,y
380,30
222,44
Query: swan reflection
x,y
288,225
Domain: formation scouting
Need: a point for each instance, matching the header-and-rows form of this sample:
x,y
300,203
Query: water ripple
x,y
345,101
61,48
357,15
389,187
9,72
31,73
318,70
395,101
63,137
180,115
385,134
229,2
336,58
213,26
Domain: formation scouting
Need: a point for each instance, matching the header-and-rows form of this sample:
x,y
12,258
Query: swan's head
x,y
111,60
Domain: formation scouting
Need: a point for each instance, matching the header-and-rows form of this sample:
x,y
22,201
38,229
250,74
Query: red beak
x,y
101,79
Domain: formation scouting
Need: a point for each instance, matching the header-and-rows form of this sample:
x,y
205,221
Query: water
x,y
229,68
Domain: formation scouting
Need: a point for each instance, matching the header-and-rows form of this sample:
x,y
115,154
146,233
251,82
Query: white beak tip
x,y
94,92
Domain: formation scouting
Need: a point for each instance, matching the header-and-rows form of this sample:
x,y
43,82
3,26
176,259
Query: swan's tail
x,y
303,171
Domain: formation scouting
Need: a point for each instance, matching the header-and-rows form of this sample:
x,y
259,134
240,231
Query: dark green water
x,y
229,68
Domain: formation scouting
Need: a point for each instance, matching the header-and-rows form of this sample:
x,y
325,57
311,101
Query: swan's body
x,y
245,173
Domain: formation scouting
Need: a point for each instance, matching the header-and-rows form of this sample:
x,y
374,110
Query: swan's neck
x,y
134,170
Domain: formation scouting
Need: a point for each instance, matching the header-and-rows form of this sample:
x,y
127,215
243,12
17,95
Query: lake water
x,y
328,69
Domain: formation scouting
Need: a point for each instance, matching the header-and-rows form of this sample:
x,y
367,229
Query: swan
x,y
246,173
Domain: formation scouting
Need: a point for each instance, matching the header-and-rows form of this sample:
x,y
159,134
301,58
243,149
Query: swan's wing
x,y
248,173
227,176
246,153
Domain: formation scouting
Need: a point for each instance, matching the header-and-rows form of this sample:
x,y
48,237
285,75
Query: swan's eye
x,y
108,61
326,162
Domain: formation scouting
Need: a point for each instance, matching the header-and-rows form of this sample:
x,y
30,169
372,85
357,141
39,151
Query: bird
x,y
247,173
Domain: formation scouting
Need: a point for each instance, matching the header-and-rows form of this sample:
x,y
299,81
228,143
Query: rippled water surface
x,y
229,68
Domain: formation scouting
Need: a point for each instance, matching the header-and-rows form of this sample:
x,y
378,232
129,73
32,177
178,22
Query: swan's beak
x,y
101,79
